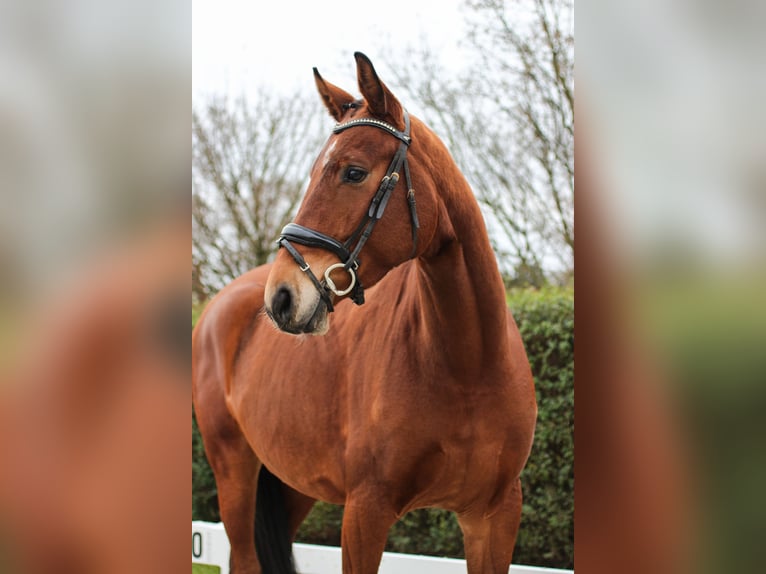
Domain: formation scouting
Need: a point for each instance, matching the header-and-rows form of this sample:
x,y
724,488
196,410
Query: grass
x,y
205,569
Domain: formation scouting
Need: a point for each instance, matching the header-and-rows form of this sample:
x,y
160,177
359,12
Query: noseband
x,y
347,252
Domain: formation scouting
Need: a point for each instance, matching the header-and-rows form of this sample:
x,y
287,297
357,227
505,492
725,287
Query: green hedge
x,y
546,321
546,538
204,492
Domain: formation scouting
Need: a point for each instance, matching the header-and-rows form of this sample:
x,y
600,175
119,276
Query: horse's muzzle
x,y
287,313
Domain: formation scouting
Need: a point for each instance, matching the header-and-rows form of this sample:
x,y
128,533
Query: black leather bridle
x,y
347,252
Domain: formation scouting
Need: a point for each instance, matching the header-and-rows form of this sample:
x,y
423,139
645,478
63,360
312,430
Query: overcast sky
x,y
238,45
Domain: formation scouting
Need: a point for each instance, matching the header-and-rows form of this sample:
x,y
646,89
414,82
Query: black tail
x,y
272,533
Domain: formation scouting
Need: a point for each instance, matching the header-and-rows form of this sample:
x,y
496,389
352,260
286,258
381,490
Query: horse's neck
x,y
462,294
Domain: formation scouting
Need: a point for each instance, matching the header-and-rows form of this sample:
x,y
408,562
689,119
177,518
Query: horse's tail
x,y
272,533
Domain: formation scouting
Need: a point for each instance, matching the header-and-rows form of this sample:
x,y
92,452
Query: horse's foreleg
x,y
236,476
237,482
365,528
489,541
236,468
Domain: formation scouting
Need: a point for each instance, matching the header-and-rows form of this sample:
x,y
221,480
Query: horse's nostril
x,y
281,305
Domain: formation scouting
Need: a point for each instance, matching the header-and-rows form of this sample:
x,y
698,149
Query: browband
x,y
378,124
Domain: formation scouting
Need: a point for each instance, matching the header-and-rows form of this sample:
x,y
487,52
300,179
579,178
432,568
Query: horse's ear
x,y
333,97
380,101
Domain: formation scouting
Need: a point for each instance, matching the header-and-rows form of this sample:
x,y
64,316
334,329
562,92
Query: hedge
x,y
546,538
546,322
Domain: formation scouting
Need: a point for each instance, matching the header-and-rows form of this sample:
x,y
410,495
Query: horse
x,y
418,396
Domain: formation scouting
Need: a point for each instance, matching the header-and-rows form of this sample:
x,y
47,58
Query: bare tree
x,y
509,121
250,163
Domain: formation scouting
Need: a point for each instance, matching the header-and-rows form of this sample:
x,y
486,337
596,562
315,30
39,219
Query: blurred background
x,y
94,231
672,179
94,247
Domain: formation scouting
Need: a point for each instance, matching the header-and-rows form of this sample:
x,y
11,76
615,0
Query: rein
x,y
348,252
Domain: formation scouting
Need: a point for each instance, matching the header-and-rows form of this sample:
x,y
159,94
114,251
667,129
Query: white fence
x,y
211,546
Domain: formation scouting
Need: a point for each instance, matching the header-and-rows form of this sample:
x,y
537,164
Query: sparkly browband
x,y
375,123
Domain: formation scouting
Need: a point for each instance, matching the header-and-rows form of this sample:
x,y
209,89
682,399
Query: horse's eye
x,y
354,175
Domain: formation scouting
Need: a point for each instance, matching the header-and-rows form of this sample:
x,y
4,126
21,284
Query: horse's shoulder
x,y
245,292
230,314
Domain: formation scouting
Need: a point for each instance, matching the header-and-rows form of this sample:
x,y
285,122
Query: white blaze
x,y
328,154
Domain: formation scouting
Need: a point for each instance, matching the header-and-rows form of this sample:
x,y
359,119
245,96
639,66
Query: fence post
x,y
210,545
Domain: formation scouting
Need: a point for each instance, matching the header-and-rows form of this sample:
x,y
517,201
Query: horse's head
x,y
359,218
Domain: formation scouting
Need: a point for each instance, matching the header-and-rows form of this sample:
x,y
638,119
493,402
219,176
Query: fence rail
x,y
211,546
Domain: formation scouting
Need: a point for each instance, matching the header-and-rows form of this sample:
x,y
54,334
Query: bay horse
x,y
421,397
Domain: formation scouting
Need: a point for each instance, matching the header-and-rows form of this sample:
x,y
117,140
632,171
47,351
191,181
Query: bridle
x,y
347,252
